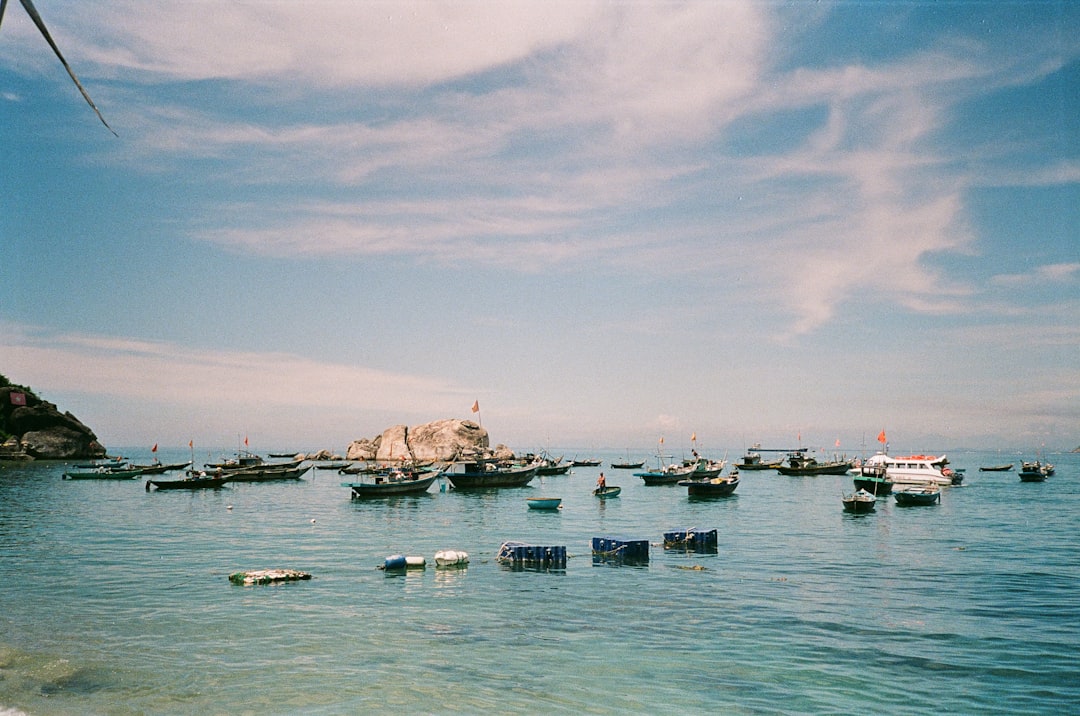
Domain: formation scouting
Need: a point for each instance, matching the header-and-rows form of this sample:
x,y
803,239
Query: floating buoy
x,y
415,562
228,507
451,558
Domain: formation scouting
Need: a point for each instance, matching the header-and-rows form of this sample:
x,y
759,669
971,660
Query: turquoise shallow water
x,y
116,601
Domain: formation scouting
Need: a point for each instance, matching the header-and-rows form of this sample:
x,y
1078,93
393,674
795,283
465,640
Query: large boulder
x,y
441,440
60,443
446,439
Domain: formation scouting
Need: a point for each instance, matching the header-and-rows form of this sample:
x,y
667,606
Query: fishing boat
x,y
104,473
243,459
157,468
588,462
332,465
711,486
873,479
628,465
912,470
395,481
607,491
544,503
1035,471
859,502
488,473
192,482
918,495
548,466
752,460
267,472
997,468
800,464
698,468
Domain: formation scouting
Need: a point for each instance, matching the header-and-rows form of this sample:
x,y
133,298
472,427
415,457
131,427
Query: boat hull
x,y
874,485
191,483
661,478
104,475
916,497
824,468
605,493
266,474
544,503
709,488
480,479
367,490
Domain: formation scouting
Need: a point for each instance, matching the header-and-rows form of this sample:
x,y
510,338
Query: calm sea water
x,y
114,600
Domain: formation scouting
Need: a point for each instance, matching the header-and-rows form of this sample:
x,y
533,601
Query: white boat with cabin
x,y
920,470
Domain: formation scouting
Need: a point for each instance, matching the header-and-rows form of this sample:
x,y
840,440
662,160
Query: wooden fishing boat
x,y
607,491
104,474
485,473
243,459
548,469
712,486
752,460
158,468
912,496
393,482
997,468
1035,471
588,462
193,482
544,503
874,479
627,465
800,464
859,502
267,472
697,469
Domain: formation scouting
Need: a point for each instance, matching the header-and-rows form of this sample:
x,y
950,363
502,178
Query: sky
x,y
604,223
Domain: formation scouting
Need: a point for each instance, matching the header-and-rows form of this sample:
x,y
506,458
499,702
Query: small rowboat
x,y
605,492
544,503
859,502
997,468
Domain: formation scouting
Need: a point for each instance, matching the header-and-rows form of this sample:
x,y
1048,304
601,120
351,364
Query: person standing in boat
x,y
601,483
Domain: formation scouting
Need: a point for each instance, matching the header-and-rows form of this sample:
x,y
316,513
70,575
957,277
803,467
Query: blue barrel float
x,y
691,540
395,563
620,550
521,555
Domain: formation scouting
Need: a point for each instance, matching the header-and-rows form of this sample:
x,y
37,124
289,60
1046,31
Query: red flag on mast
x,y
154,449
476,406
881,437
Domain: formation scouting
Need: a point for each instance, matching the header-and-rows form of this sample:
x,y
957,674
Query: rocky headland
x,y
32,428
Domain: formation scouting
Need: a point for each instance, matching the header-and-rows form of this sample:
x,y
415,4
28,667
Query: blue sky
x,y
605,222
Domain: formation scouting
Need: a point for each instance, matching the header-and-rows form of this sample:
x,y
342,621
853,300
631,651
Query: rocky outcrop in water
x,y
441,440
34,428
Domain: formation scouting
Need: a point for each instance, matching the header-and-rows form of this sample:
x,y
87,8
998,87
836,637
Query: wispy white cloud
x,y
532,133
1049,273
235,381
